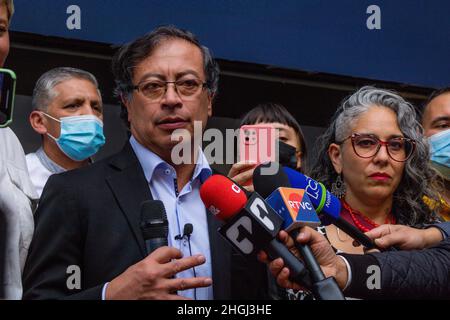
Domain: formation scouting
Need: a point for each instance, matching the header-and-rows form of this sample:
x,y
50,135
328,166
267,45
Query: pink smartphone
x,y
257,143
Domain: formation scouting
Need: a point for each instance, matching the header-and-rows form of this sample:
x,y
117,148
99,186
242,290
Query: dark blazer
x,y
90,218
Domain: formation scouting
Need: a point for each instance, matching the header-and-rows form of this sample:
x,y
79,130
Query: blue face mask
x,y
440,152
81,136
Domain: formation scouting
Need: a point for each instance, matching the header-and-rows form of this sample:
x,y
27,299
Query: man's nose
x,y
171,98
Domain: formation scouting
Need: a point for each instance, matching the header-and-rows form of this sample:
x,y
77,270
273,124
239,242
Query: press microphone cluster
x,y
294,206
327,206
250,225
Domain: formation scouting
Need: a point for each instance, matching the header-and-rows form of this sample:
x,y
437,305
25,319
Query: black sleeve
x,y
422,274
57,244
443,226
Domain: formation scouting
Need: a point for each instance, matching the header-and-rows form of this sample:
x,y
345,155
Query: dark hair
x,y
273,112
131,54
434,94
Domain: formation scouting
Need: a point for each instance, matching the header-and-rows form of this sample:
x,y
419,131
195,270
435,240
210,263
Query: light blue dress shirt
x,y
182,206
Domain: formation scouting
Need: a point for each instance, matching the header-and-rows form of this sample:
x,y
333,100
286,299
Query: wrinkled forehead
x,y
171,58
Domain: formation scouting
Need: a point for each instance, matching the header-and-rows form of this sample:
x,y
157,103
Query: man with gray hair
x,y
67,113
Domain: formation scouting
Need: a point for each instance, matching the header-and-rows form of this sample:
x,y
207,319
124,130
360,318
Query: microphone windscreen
x,y
296,179
222,197
265,183
188,229
153,219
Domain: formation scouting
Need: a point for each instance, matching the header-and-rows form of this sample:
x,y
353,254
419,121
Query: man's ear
x,y
210,101
126,104
335,154
37,121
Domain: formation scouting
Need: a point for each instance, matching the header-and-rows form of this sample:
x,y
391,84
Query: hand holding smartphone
x,y
7,90
257,145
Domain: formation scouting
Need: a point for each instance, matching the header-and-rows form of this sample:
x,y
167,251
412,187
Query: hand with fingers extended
x,y
242,173
153,277
404,237
329,262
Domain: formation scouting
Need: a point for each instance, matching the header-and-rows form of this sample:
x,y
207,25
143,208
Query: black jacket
x,y
422,274
90,218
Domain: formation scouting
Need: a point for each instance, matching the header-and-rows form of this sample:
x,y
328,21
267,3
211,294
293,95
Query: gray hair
x,y
131,54
43,92
418,177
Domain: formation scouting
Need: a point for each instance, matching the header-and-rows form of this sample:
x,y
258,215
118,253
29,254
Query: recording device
x,y
154,224
327,206
187,231
294,206
250,225
7,93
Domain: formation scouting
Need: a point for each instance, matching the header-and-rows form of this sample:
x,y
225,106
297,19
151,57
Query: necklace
x,y
357,216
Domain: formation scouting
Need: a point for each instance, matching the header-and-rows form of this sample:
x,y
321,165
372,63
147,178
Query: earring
x,y
338,187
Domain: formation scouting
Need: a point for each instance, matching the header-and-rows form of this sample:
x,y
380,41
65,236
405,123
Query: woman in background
x,y
375,159
292,146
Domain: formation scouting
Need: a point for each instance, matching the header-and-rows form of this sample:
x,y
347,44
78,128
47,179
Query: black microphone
x,y
187,231
154,224
250,225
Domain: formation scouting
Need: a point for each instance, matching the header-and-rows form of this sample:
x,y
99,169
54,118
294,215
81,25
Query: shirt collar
x,y
150,161
48,163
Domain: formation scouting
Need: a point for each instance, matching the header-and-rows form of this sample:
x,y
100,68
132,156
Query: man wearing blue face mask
x,y
67,113
436,124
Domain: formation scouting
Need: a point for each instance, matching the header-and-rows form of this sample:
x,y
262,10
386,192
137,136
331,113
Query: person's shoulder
x,y
90,172
10,144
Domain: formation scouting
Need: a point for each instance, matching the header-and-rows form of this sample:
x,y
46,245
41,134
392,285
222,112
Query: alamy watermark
x,y
374,280
373,22
73,21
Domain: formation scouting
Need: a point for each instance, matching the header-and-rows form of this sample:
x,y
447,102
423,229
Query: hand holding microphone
x,y
250,225
294,206
153,277
331,264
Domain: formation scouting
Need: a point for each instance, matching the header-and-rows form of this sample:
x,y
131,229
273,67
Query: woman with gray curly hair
x,y
375,159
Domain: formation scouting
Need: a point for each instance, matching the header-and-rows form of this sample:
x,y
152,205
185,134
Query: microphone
x,y
294,206
327,206
250,224
154,224
187,231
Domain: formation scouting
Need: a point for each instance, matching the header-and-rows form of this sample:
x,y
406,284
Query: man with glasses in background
x,y
90,217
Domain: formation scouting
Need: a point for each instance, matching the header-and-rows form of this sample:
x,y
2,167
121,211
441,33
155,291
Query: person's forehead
x,y
283,127
171,55
439,106
75,87
377,120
